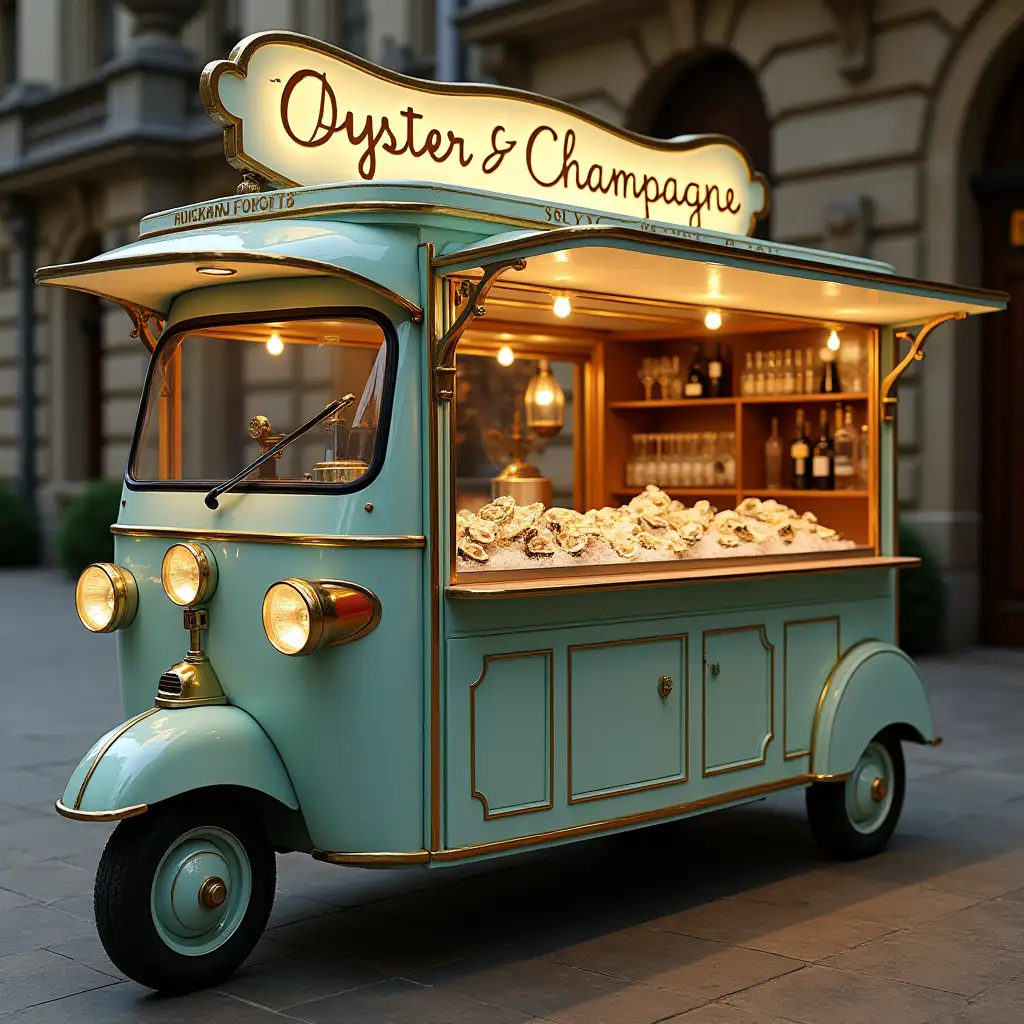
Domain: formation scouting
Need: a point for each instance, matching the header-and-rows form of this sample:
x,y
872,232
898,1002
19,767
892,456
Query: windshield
x,y
219,396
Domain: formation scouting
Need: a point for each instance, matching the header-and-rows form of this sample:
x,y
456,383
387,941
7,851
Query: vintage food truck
x,y
342,631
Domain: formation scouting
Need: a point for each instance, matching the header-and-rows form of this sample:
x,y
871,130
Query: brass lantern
x,y
545,403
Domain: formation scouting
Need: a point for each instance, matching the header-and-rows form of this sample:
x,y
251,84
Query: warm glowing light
x,y
215,271
506,357
712,319
562,307
275,346
543,396
833,341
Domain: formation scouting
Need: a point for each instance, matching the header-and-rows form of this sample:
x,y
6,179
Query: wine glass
x,y
646,374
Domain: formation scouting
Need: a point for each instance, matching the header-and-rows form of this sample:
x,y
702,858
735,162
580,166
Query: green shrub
x,y
85,535
922,597
19,530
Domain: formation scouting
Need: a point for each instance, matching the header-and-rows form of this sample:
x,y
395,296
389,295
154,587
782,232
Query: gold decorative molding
x,y
489,815
116,815
769,647
916,352
314,540
373,860
140,316
111,740
471,296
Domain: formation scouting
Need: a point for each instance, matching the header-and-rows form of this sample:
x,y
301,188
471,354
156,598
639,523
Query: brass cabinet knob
x,y
665,686
715,668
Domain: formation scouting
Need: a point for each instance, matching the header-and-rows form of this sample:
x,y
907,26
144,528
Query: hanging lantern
x,y
545,403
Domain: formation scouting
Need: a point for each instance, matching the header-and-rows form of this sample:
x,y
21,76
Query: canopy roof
x,y
609,260
150,274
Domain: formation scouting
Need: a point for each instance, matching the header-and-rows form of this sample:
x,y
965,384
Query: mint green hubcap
x,y
869,789
201,890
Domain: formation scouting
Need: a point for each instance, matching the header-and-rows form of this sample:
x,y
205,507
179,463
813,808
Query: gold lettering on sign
x,y
239,206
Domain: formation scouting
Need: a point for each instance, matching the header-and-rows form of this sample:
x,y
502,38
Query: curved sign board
x,y
301,112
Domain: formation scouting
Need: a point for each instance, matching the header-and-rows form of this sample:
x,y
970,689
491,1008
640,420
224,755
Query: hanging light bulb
x,y
712,319
545,403
506,357
833,341
275,346
562,306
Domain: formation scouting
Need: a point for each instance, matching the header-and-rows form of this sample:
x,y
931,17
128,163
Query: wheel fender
x,y
874,686
165,752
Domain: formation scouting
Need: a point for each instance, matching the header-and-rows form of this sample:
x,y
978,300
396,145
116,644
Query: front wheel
x,y
856,817
183,893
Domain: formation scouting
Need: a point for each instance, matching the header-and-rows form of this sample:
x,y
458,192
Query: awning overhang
x,y
146,276
630,262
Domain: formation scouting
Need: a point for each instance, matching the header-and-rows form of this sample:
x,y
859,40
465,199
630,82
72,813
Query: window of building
x,y
352,25
104,30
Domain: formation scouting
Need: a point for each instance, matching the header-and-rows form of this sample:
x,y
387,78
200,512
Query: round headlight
x,y
292,617
188,574
300,616
106,597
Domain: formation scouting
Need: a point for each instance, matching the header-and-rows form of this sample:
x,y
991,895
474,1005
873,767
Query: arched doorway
x,y
1000,191
712,94
83,377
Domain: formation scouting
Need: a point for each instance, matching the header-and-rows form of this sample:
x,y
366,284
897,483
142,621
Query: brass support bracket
x,y
471,297
917,341
141,318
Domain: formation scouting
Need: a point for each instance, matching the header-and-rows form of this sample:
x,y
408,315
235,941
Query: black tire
x,y
124,884
829,816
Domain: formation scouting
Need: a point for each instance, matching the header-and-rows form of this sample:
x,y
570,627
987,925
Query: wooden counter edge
x,y
562,585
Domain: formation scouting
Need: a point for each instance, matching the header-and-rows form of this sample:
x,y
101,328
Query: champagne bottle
x,y
823,458
800,455
845,445
773,459
696,379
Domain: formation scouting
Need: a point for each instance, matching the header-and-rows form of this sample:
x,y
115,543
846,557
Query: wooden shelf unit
x,y
626,412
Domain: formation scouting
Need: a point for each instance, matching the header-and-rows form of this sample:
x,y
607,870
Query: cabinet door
x,y
738,682
627,716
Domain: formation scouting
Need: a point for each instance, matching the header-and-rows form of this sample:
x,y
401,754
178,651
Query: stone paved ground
x,y
728,919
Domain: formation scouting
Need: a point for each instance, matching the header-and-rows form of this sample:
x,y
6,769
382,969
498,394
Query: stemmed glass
x,y
647,374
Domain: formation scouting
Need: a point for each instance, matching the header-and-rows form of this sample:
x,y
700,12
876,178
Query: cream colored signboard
x,y
300,112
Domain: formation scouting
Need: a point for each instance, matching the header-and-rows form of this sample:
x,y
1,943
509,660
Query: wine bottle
x,y
773,459
716,377
809,372
823,458
829,373
845,445
696,379
800,455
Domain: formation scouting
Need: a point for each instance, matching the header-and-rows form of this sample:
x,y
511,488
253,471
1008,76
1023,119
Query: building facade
x,y
100,123
888,128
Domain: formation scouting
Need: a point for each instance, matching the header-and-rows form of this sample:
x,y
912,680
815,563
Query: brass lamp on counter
x,y
544,403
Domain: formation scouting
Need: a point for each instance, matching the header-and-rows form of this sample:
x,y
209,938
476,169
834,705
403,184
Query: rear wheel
x,y
856,817
183,893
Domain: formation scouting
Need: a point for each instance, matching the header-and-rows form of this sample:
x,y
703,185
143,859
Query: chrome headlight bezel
x,y
206,573
125,600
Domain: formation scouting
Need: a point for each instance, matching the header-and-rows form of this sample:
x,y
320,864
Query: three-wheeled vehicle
x,y
340,632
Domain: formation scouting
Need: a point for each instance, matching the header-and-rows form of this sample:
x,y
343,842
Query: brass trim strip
x,y
641,787
56,275
382,859
117,815
476,794
117,734
786,754
766,740
475,256
825,689
644,817
317,540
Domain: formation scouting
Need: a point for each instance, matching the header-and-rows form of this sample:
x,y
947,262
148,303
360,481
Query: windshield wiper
x,y
215,492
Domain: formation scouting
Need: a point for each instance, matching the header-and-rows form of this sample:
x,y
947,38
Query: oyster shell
x,y
515,526
826,533
481,531
573,542
786,533
646,539
626,546
749,506
499,510
728,540
470,549
541,544
559,518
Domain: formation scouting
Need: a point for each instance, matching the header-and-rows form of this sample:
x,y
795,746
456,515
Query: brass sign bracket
x,y
917,341
471,297
141,317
